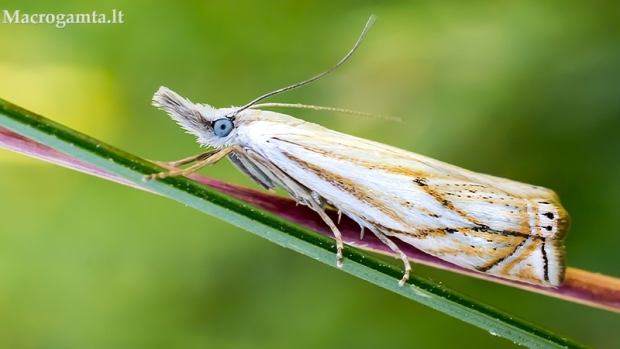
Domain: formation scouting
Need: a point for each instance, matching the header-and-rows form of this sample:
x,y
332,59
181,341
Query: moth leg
x,y
204,159
401,254
301,195
337,234
193,158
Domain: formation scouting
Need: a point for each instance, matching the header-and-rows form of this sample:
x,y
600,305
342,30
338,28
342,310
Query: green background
x,y
526,90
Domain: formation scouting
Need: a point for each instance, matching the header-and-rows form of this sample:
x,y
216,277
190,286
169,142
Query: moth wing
x,y
477,221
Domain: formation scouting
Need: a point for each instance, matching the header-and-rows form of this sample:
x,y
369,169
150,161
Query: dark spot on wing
x,y
421,182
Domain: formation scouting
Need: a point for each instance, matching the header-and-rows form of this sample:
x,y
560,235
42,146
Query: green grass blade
x,y
276,229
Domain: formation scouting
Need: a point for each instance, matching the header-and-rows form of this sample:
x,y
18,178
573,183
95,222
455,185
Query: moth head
x,y
211,126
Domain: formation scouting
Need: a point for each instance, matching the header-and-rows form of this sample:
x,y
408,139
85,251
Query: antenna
x,y
371,20
322,108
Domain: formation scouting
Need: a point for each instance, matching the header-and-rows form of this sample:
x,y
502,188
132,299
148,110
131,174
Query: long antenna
x,y
322,108
371,20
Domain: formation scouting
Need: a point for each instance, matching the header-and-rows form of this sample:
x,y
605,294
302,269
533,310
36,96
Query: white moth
x,y
477,221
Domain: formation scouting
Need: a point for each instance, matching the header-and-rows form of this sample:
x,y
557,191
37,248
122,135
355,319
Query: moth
x,y
477,221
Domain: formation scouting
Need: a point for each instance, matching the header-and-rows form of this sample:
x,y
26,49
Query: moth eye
x,y
222,127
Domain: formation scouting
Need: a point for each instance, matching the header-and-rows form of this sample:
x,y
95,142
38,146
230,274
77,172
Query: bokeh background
x,y
527,90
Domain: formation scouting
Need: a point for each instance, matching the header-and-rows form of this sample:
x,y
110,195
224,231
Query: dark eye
x,y
222,127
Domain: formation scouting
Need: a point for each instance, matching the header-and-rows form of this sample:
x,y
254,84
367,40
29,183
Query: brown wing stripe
x,y
344,183
421,182
487,267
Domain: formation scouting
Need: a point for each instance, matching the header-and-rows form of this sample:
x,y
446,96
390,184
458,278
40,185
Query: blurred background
x,y
526,90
